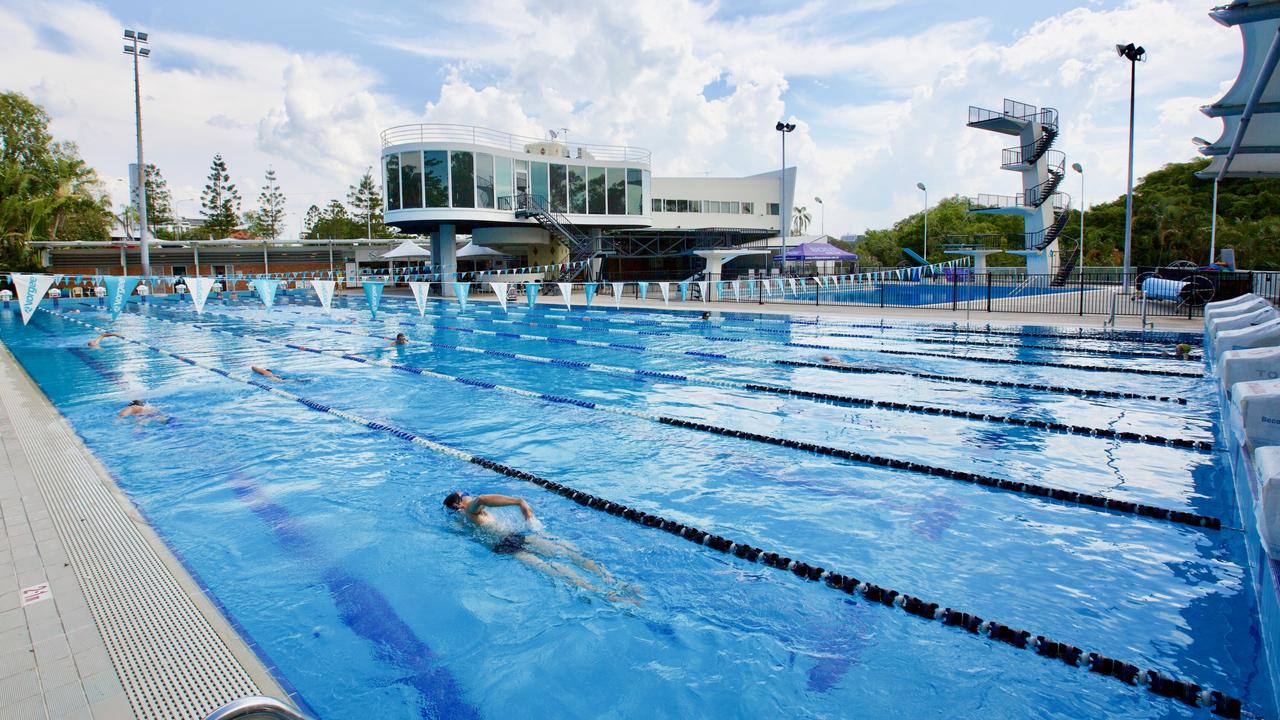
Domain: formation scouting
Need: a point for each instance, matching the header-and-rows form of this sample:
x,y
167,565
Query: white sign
x,y
36,593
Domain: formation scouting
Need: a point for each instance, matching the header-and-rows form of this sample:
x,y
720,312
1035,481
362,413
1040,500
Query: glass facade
x,y
538,181
559,199
595,191
504,182
577,189
635,192
617,190
411,179
435,178
484,181
392,181
462,177
465,179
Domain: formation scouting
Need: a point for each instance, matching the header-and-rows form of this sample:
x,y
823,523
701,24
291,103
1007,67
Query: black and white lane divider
x,y
1043,492
1155,681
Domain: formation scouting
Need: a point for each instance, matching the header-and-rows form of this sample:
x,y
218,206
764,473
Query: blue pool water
x,y
930,293
326,543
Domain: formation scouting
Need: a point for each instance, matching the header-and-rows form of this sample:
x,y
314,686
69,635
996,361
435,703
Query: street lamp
x,y
926,221
824,215
784,213
1080,169
131,48
1134,55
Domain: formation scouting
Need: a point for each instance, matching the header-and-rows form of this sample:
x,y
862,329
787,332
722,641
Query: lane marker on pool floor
x,y
1041,387
815,396
1070,497
1189,693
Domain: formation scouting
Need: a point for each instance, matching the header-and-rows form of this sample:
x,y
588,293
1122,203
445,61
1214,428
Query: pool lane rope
x,y
1187,692
1070,497
811,395
440,321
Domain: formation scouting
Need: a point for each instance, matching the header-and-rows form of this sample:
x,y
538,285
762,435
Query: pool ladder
x,y
256,707
1111,321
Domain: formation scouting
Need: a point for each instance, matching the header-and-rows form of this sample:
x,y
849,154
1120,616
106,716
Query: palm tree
x,y
800,222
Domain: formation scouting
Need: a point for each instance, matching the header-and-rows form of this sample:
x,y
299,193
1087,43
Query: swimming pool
x,y
323,537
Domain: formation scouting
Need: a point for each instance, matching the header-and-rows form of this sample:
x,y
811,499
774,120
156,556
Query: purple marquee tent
x,y
816,251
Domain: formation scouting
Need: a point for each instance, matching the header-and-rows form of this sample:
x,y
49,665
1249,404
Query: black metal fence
x,y
1084,293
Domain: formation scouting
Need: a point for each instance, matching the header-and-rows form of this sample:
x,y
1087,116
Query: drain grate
x,y
171,661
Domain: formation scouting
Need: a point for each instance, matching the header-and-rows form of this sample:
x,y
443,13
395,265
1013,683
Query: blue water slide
x,y
912,254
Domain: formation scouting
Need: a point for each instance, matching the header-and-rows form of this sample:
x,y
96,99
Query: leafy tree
x,y
309,222
366,201
220,201
268,220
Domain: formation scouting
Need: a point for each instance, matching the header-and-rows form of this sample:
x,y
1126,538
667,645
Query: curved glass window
x,y
559,199
392,181
635,192
538,182
577,189
617,190
462,176
435,177
503,182
595,191
484,180
411,180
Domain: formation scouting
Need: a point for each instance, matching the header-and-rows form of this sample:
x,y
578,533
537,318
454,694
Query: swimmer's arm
x,y
494,500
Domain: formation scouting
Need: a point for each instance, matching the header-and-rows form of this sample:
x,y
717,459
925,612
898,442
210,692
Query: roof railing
x,y
484,137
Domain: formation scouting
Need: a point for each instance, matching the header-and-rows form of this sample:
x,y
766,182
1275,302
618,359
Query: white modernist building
x,y
549,201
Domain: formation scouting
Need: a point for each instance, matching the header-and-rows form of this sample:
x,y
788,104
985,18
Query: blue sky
x,y
880,88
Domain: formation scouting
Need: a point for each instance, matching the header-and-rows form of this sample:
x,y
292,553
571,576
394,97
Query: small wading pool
x,y
315,518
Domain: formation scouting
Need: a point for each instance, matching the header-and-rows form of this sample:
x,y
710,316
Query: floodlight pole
x,y
784,214
1213,223
132,49
1133,55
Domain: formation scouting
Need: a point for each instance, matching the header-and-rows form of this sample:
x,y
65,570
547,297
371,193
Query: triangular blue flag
x,y
118,291
266,289
590,290
531,293
684,290
373,293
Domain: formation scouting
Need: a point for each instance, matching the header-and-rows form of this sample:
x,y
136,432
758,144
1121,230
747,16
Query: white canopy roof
x,y
1250,111
472,250
407,249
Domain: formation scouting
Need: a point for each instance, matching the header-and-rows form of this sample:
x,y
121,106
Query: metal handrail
x,y
472,135
1014,110
256,707
1036,195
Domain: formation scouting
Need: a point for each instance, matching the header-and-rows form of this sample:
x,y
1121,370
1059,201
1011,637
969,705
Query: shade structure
x,y
406,249
1250,111
816,251
474,251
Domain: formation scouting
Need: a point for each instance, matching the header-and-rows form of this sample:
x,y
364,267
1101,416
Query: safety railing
x,y
256,708
484,137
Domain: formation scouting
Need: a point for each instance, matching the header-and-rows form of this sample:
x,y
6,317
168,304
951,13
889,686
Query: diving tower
x,y
1044,210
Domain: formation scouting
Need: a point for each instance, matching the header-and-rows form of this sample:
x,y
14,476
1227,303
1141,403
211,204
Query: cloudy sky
x,y
879,88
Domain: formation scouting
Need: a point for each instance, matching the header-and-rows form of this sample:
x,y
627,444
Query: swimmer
x,y
401,339
706,315
541,553
266,373
1183,351
96,343
142,411
828,360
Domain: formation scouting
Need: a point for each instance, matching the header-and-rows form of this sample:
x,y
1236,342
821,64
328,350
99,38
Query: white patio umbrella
x,y
403,251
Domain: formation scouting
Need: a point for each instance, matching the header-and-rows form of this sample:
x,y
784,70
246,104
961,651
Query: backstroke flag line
x,y
665,289
421,291
617,294
266,289
199,288
31,290
373,294
118,291
461,290
500,290
324,292
566,289
531,293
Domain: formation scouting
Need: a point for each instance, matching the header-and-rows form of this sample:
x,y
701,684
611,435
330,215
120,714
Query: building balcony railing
x,y
484,137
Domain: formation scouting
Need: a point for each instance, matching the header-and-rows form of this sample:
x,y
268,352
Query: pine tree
x,y
268,220
366,200
159,201
310,221
220,201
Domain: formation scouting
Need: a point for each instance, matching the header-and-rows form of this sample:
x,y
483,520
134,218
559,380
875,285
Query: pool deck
x,y
97,617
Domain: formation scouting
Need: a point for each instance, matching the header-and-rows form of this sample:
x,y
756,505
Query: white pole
x,y
783,215
1128,202
1213,224
926,226
142,169
1081,243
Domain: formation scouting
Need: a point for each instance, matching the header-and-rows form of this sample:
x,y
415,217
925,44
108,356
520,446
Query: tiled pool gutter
x,y
98,618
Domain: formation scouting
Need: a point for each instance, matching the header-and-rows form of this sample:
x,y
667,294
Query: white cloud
x,y
878,111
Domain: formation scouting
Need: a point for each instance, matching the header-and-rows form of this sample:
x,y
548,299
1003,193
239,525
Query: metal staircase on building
x,y
1061,213
1067,257
582,246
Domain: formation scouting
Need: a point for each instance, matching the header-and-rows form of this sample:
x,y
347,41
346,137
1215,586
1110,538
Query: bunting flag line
x,y
266,289
734,285
421,291
531,293
199,288
373,295
324,292
500,290
684,290
566,290
589,289
792,283
644,291
462,290
31,290
617,294
118,291
665,289
702,290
